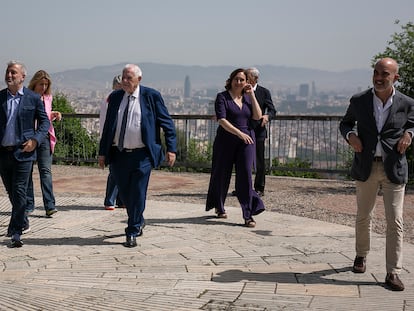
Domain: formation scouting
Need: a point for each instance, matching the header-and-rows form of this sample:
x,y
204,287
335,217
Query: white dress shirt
x,y
133,137
381,113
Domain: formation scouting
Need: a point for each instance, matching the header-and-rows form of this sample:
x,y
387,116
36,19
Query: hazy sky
x,y
334,35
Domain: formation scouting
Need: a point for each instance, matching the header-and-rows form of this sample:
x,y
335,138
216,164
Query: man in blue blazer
x,y
23,126
379,126
131,143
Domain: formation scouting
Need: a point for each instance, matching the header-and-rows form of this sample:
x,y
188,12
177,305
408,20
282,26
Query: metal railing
x,y
311,139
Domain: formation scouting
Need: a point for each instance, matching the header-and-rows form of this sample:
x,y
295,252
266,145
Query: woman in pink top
x,y
41,84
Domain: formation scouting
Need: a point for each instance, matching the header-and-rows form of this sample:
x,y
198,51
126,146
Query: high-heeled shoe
x,y
220,214
250,223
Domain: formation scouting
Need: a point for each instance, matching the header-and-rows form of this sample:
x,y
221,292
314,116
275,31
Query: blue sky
x,y
330,35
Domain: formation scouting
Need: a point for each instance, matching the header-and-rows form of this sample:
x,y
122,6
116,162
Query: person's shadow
x,y
315,277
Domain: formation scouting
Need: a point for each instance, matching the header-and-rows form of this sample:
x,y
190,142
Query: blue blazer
x,y
154,116
31,113
401,118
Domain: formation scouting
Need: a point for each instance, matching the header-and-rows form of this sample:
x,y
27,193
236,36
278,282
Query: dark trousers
x,y
259,180
229,150
15,176
131,171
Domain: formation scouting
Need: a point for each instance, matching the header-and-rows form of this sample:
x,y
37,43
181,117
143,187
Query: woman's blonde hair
x,y
39,76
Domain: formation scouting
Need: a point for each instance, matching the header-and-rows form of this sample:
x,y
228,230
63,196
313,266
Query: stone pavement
x,y
189,260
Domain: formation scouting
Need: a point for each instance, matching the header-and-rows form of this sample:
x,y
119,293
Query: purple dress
x,y
229,150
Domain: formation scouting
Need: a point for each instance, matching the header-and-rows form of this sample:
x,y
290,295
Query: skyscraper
x,y
304,90
187,87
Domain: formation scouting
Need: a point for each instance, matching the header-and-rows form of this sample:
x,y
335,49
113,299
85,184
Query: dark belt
x,y
132,150
8,148
128,150
377,159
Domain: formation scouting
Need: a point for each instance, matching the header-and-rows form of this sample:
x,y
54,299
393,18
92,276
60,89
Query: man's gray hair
x,y
254,72
20,64
135,68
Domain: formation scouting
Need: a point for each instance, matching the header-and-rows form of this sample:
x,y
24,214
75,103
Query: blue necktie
x,y
123,126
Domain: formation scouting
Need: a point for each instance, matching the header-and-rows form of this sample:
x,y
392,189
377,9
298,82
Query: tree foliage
x,y
73,140
401,48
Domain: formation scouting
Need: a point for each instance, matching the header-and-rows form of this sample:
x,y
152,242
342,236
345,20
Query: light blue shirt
x,y
13,102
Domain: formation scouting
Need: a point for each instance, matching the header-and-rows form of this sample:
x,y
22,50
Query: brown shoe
x,y
393,282
360,265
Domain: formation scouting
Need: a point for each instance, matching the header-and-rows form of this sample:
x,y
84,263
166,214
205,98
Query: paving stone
x,y
189,261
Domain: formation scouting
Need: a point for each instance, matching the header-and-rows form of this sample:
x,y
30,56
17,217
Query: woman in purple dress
x,y
234,145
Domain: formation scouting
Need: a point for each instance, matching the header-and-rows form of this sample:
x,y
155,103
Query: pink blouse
x,y
47,99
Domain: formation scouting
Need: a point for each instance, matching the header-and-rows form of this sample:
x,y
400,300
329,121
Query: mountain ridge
x,y
159,75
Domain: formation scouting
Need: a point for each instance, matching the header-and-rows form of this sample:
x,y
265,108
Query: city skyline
x,y
320,34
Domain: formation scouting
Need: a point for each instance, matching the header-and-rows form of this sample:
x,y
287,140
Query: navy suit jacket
x,y
401,118
154,116
31,122
266,104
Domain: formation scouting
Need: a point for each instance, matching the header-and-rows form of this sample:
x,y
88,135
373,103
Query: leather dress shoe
x,y
360,265
131,241
16,241
393,282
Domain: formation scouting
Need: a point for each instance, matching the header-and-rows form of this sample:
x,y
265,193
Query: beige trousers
x,y
393,197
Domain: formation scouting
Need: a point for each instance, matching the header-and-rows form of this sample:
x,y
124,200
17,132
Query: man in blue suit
x,y
131,143
379,126
23,126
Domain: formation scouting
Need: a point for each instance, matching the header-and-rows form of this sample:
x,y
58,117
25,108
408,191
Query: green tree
x,y
401,48
74,143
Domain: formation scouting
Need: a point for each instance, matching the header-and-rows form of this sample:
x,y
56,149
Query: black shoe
x,y
393,282
131,241
16,241
141,230
360,265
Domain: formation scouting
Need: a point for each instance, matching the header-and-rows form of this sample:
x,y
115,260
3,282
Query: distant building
x,y
212,93
313,93
304,90
187,87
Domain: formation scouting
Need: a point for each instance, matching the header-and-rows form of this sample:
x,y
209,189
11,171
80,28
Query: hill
x,y
172,76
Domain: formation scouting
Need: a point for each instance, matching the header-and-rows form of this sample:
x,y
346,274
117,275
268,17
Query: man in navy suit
x,y
268,113
131,143
379,126
23,126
